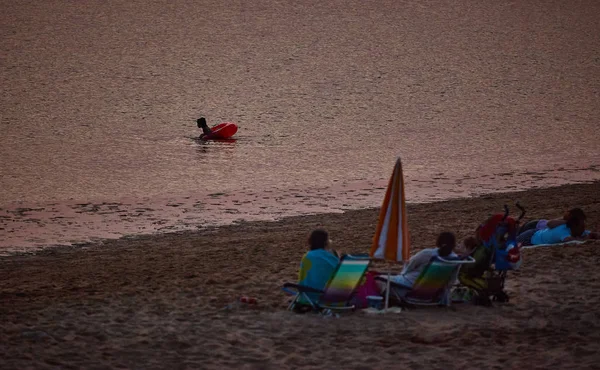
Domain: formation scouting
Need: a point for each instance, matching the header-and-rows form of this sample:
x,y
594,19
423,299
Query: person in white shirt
x,y
446,242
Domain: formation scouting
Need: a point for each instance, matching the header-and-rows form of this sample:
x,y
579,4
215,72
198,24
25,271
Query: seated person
x,y
571,227
467,247
318,264
446,242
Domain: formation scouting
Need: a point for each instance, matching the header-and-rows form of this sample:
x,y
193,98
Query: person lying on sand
x,y
541,224
318,264
205,129
570,228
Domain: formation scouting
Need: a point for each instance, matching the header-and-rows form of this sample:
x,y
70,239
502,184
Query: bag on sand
x,y
367,288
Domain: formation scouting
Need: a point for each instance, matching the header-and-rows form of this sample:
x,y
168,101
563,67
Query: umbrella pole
x,y
387,291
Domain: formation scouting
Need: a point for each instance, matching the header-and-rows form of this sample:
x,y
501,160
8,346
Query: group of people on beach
x,y
320,262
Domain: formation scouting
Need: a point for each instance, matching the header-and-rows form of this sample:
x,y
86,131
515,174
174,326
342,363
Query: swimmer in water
x,y
205,129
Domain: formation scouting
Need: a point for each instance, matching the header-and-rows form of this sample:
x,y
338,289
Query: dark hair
x,y
446,242
201,122
470,242
574,217
318,239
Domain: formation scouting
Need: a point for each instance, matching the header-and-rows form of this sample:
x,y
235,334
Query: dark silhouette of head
x,y
201,122
446,242
576,221
318,239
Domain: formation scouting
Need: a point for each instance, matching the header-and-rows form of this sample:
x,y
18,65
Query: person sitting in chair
x,y
446,242
467,247
318,264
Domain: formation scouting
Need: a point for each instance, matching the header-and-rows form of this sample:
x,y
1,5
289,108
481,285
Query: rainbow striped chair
x,y
339,290
432,287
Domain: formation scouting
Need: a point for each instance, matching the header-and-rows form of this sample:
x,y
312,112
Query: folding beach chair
x,y
432,287
338,291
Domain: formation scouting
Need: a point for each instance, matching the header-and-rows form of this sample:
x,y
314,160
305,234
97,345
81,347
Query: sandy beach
x,y
154,302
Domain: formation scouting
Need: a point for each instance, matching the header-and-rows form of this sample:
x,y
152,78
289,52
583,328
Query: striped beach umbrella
x,y
391,241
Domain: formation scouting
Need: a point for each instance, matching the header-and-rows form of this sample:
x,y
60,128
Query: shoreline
x,y
171,299
36,228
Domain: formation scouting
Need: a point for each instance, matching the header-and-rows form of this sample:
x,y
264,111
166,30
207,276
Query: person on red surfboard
x,y
222,131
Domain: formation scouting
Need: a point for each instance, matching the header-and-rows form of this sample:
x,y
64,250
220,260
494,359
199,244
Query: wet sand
x,y
160,301
29,227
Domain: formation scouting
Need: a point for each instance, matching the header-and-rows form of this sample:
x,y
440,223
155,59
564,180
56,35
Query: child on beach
x,y
467,247
570,228
318,264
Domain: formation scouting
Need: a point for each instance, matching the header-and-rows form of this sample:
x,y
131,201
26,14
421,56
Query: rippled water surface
x,y
99,100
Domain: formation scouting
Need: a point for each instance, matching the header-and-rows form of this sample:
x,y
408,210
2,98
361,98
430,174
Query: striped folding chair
x,y
433,285
339,290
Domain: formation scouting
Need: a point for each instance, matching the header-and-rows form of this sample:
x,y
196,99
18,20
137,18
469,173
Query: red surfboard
x,y
223,130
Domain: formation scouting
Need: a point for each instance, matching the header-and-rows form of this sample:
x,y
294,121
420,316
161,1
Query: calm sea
x,y
99,100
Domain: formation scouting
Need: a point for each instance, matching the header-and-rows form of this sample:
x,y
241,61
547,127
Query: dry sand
x,y
159,301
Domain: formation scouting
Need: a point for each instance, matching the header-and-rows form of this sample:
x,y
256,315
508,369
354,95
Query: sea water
x,y
99,101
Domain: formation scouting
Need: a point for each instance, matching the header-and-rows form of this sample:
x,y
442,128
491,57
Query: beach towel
x,y
572,242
